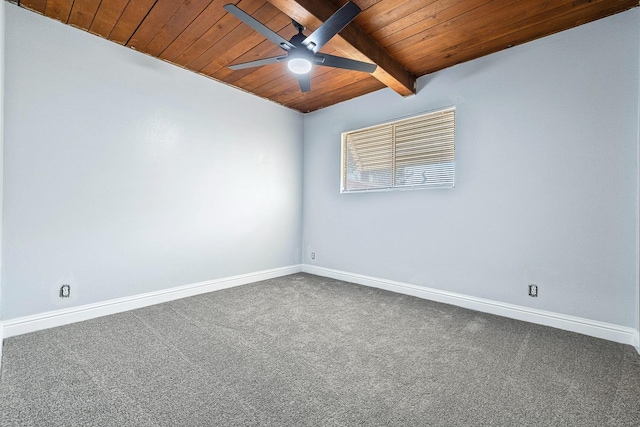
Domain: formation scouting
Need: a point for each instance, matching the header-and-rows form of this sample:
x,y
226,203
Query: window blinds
x,y
418,152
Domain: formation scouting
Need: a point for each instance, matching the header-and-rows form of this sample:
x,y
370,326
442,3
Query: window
x,y
413,153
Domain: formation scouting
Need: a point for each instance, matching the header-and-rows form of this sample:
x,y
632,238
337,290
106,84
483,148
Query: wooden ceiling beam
x,y
353,42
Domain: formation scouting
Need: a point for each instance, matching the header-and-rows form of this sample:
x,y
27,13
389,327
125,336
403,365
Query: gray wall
x,y
125,175
546,190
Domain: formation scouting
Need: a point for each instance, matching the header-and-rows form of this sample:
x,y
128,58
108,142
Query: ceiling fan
x,y
302,51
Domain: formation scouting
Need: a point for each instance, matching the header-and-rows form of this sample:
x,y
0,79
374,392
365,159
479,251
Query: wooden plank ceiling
x,y
406,39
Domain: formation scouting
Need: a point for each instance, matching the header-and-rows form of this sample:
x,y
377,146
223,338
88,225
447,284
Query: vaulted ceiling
x,y
406,39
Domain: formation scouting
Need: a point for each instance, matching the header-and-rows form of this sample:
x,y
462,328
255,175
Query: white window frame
x,y
440,174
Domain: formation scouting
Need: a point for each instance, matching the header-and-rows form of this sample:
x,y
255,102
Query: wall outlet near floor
x,y
313,255
65,291
533,290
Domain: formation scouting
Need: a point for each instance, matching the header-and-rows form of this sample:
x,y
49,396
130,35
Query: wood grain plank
x,y
215,32
285,85
544,21
271,75
324,82
421,35
386,13
269,80
277,78
34,5
276,82
326,88
58,9
353,42
547,20
243,76
448,41
505,19
234,36
184,17
83,12
450,32
203,23
287,82
431,16
258,76
247,43
362,4
273,79
132,15
264,49
345,93
157,17
106,17
232,77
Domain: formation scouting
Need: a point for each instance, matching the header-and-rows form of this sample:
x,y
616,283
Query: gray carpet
x,y
309,351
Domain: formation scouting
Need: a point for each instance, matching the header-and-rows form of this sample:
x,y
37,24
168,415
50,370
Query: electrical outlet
x,y
65,291
533,290
313,255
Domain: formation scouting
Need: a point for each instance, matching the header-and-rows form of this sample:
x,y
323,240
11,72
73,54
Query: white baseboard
x,y
594,328
55,318
23,325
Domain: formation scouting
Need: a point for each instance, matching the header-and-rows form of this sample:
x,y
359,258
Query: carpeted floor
x,y
309,351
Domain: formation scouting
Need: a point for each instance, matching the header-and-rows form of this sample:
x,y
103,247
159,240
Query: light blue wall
x,y
546,187
638,213
126,175
2,31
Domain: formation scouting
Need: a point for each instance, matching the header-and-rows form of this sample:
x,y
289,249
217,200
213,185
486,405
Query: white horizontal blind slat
x,y
416,152
425,150
369,156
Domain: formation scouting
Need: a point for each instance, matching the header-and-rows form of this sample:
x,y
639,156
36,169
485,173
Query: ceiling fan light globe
x,y
299,65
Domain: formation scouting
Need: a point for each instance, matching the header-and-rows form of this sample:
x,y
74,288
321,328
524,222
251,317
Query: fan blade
x,y
305,82
258,63
258,26
331,26
347,64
